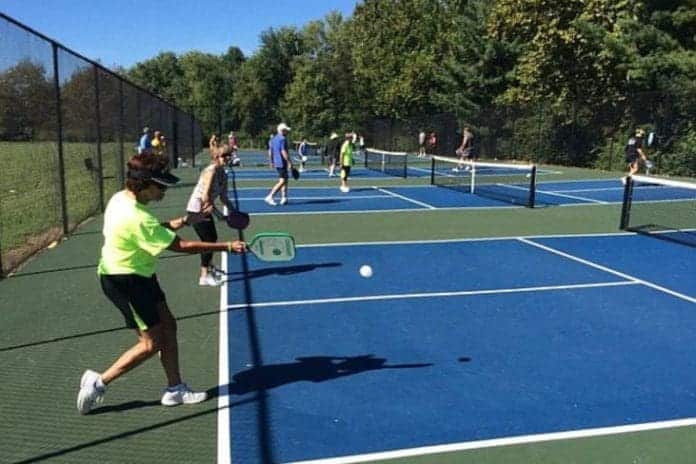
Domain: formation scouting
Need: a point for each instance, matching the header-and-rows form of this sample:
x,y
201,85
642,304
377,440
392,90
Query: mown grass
x,y
30,191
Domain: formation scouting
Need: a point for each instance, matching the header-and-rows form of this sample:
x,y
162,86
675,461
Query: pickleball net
x,y
506,182
663,208
391,163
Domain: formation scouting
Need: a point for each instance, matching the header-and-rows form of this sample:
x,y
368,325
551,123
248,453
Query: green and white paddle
x,y
273,246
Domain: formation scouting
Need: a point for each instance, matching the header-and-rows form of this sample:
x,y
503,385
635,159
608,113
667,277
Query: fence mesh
x,y
67,127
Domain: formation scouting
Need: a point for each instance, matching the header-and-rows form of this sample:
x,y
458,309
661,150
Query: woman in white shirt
x,y
212,184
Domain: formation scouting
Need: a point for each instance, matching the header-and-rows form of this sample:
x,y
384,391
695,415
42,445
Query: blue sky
x,y
124,32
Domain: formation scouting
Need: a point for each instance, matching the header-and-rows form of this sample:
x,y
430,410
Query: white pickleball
x,y
365,271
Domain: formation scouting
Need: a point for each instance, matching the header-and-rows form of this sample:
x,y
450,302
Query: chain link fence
x,y
67,127
571,134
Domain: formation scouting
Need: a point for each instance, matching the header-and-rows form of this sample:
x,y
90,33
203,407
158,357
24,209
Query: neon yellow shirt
x,y
347,153
133,238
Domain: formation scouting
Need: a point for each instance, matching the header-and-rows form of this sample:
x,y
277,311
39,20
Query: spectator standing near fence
x,y
432,143
145,142
421,144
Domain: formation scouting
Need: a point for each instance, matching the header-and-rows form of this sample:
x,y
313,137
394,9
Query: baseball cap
x,y
282,126
333,135
146,130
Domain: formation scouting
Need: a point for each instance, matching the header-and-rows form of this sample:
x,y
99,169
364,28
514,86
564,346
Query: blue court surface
x,y
303,200
453,344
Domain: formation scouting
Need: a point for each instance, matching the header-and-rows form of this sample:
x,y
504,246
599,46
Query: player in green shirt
x,y
346,157
133,239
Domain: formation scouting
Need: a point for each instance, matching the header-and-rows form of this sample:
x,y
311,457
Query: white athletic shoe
x,y
269,200
91,392
455,169
182,394
345,189
210,280
283,201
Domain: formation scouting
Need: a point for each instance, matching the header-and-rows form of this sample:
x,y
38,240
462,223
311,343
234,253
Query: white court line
x,y
415,202
329,197
460,240
574,197
224,451
604,189
609,270
430,295
507,441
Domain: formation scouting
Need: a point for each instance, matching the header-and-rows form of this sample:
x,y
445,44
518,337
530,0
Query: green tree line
x,y
563,81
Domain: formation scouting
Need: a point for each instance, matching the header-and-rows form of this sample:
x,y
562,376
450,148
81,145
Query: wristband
x,y
229,247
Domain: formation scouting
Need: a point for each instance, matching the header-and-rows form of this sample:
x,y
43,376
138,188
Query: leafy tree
x,y
262,80
319,100
27,103
398,47
162,75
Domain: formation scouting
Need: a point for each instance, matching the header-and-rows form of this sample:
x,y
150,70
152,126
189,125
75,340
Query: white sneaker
x,y
455,169
209,281
182,394
269,200
283,201
91,392
344,189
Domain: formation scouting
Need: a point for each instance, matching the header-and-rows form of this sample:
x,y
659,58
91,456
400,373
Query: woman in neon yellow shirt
x,y
133,238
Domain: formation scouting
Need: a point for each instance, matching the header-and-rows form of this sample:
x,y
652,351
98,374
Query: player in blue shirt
x,y
145,143
280,160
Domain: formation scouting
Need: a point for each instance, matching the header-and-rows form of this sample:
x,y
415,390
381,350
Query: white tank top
x,y
217,186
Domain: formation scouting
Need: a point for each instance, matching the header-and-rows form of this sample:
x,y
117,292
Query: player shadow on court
x,y
310,368
280,270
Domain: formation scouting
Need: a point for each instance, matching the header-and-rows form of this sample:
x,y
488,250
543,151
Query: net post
x,y
472,187
626,205
532,187
432,170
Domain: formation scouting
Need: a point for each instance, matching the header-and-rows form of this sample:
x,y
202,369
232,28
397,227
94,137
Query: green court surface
x,y
56,323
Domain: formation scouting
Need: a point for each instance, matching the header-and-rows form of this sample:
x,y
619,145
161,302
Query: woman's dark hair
x,y
138,167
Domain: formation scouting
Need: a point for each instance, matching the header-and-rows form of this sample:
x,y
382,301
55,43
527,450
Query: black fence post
x,y
121,135
100,165
193,142
59,140
175,140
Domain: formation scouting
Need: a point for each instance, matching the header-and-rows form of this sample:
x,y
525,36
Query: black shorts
x,y
134,295
345,172
630,159
282,172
